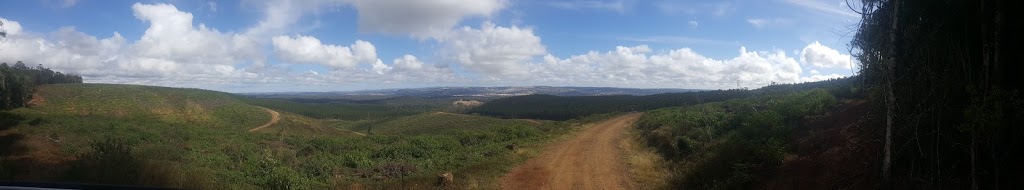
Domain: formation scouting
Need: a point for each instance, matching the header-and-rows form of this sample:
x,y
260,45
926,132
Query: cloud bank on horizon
x,y
292,46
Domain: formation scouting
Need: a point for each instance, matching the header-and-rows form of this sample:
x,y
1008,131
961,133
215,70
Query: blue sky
x,y
335,45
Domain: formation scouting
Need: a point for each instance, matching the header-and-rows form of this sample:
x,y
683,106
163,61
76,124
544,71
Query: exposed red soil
x,y
591,160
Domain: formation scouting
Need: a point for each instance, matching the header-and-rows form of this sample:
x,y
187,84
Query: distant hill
x,y
567,107
438,92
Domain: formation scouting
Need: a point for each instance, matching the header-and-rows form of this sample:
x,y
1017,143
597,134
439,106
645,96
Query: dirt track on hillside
x,y
591,160
274,118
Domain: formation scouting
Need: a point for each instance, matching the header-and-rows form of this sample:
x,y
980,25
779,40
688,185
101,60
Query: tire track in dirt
x,y
591,160
274,118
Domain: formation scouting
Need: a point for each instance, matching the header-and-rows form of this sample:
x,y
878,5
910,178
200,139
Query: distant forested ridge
x,y
17,82
567,107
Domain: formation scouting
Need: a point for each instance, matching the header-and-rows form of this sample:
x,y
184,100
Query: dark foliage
x,y
939,73
17,83
731,144
550,107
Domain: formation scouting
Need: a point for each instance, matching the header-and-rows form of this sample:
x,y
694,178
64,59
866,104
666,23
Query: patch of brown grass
x,y
647,168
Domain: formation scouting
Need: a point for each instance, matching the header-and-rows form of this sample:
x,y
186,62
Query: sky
x,y
342,45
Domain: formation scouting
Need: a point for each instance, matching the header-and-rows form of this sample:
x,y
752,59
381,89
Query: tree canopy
x,y
19,81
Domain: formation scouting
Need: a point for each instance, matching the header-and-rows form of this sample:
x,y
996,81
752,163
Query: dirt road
x,y
591,160
274,117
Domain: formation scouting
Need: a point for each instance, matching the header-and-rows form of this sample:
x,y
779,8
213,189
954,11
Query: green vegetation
x,y
730,144
333,110
435,123
18,82
191,138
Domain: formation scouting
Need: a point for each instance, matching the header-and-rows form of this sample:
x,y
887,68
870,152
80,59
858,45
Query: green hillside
x,y
200,139
163,136
171,105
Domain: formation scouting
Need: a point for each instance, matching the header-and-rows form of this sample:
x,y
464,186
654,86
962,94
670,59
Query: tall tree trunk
x,y
890,97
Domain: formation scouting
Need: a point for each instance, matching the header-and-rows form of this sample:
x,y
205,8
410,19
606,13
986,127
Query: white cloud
x,y
639,66
380,68
836,7
172,37
821,56
769,22
617,6
693,24
410,68
495,51
408,63
420,18
818,77
281,15
171,48
307,49
715,8
9,27
679,40
177,51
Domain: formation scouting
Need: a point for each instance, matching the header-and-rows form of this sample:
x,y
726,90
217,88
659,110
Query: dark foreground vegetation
x,y
732,144
944,77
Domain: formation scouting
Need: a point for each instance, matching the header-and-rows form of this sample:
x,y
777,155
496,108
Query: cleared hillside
x,y
171,105
200,139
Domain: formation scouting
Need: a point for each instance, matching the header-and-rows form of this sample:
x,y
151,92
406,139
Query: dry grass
x,y
648,169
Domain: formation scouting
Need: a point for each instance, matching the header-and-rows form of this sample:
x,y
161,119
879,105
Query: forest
x,y
17,83
940,76
564,107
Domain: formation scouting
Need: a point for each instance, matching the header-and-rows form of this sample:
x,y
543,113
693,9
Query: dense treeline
x,y
17,82
941,78
567,107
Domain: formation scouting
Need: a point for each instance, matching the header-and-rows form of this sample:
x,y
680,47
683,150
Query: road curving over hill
x,y
274,118
590,160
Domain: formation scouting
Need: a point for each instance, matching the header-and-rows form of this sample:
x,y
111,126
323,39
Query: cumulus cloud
x,y
9,27
172,37
307,49
419,18
175,50
170,48
821,56
499,52
818,77
638,66
280,16
408,67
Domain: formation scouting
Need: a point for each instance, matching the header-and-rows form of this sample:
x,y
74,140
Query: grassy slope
x,y
168,105
192,138
202,131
